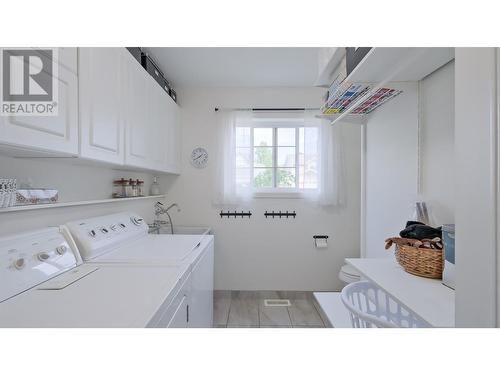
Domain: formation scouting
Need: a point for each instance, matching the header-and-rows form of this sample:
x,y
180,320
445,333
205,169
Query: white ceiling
x,y
237,67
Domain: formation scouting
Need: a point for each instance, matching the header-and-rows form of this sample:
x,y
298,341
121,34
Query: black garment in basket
x,y
420,231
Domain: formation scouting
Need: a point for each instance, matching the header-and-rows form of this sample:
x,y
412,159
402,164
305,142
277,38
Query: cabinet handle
x,y
187,313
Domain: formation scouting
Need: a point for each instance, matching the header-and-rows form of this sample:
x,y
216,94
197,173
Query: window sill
x,y
278,195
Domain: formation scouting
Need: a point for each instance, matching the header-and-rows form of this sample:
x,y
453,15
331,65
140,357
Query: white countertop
x,y
428,298
334,309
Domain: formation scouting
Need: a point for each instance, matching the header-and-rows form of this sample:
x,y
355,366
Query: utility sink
x,y
181,229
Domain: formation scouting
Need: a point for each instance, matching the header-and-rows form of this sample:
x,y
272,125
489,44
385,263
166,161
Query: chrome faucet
x,y
161,210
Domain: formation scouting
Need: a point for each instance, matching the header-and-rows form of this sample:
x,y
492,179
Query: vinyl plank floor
x,y
303,312
272,316
242,326
222,303
244,309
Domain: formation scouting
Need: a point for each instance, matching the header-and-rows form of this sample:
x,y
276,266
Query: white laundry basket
x,y
371,307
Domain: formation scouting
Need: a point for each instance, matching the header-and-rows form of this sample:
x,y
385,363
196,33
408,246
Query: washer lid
x,y
154,249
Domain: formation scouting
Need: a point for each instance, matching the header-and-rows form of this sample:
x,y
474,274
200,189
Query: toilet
x,y
349,274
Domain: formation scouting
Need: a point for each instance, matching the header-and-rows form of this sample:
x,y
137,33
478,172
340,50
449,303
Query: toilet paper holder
x,y
319,237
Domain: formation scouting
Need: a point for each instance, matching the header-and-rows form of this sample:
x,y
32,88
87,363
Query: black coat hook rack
x,y
280,214
235,214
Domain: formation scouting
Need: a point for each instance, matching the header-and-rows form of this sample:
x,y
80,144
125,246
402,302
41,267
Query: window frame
x,y
276,191
275,188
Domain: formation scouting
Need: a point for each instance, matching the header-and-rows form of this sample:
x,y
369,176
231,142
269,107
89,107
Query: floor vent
x,y
277,303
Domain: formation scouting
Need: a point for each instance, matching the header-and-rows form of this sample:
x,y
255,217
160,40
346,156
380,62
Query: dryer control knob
x,y
137,220
19,263
43,256
61,249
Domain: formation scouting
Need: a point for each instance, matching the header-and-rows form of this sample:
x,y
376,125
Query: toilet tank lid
x,y
350,270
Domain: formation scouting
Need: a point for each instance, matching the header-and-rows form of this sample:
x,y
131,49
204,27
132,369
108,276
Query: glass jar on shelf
x,y
133,188
127,188
140,188
155,186
119,188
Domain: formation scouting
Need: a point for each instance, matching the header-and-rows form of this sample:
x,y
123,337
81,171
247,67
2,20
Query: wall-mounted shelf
x,y
391,64
78,203
376,71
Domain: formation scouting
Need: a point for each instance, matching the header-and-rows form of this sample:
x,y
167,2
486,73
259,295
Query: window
x,y
279,156
294,154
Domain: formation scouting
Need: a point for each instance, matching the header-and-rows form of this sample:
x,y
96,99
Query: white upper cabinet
x,y
151,121
167,130
137,125
174,138
101,108
67,58
159,122
109,110
49,134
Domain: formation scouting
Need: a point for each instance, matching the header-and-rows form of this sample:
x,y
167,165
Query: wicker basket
x,y
420,261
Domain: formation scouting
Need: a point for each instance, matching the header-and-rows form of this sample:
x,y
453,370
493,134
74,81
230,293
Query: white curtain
x,y
331,173
226,192
322,142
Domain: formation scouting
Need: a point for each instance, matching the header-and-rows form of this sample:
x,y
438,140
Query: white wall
x,y
391,168
437,143
259,253
75,183
409,156
476,149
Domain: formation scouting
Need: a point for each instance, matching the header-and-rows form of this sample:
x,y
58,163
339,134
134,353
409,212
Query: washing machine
x,y
46,284
123,239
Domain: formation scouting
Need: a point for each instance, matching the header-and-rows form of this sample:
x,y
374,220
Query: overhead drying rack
x,y
347,95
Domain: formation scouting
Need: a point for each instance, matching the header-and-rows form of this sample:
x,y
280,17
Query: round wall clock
x,y
199,157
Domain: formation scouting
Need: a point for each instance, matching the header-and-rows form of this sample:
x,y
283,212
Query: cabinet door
x,y
67,58
150,119
202,288
138,127
158,111
55,134
173,137
180,317
101,87
151,122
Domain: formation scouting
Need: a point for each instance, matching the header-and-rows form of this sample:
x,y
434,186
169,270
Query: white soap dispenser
x,y
155,186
